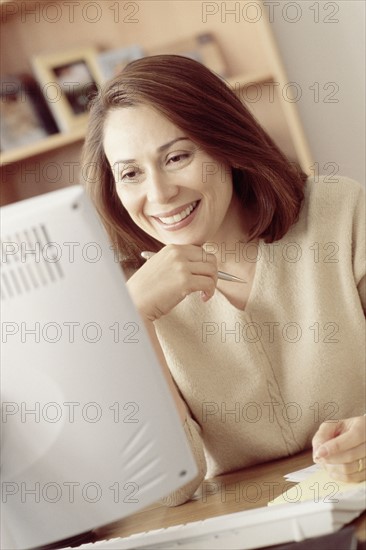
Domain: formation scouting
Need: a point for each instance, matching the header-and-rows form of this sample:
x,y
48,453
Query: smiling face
x,y
172,189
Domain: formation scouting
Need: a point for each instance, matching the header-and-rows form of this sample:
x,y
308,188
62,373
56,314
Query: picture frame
x,y
111,62
24,114
68,81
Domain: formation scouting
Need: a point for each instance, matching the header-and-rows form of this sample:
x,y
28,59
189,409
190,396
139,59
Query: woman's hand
x,y
340,447
169,276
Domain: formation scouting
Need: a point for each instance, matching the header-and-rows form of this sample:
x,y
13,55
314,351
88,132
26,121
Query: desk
x,y
241,490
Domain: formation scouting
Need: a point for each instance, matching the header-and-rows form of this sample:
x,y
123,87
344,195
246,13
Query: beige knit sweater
x,y
259,382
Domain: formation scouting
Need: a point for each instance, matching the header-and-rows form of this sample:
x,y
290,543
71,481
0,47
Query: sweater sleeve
x,y
359,247
180,496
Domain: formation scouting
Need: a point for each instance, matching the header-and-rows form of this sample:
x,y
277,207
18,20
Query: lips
x,y
186,215
178,215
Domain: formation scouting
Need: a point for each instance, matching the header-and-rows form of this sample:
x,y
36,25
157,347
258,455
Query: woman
x,y
176,165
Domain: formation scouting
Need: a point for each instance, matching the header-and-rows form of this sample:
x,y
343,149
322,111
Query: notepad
x,y
319,487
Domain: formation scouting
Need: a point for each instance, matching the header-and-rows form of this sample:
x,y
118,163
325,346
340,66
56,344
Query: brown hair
x,y
208,111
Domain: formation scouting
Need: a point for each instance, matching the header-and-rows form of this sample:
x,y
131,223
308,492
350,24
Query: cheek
x,y
220,189
127,200
217,175
133,204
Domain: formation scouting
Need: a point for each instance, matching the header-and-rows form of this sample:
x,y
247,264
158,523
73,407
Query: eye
x,y
129,175
177,158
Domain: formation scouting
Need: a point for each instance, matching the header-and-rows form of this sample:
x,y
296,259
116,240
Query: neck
x,y
231,245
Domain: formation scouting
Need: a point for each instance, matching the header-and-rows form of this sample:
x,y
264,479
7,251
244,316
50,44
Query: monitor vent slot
x,y
29,261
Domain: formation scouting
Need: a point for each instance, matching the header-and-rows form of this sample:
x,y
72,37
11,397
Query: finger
x,y
350,478
191,252
347,456
177,253
339,444
207,258
208,252
350,472
205,297
188,254
202,283
208,269
326,431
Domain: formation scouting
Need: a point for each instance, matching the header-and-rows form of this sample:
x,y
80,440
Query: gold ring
x,y
360,465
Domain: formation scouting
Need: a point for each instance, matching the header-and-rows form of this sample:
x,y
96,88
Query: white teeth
x,y
180,216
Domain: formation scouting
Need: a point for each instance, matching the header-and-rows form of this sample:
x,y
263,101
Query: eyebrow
x,y
159,150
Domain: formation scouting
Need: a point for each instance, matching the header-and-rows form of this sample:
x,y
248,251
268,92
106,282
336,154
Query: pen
x,y
221,274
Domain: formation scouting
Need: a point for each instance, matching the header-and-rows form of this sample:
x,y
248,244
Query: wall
x,y
321,45
331,50
35,27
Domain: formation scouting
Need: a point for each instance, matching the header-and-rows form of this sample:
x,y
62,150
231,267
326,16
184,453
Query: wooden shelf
x,y
29,3
252,60
57,141
247,79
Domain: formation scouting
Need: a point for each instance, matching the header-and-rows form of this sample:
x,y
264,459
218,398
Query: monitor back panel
x,y
90,433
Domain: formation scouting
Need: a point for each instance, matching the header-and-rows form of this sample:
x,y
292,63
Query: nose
x,y
160,188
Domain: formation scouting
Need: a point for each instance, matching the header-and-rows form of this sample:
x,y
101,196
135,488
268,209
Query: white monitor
x,y
90,433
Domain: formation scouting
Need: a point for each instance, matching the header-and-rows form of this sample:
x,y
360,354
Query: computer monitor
x,y
90,433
